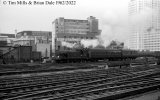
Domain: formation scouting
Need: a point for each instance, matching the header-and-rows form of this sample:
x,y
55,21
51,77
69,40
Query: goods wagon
x,y
18,54
36,56
25,53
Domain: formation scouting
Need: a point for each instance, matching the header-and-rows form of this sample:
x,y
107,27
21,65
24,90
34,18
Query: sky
x,y
112,15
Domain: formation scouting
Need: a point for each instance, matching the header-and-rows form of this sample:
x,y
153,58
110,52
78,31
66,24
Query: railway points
x,y
87,84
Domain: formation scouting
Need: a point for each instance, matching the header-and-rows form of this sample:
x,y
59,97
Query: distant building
x,y
6,39
39,40
26,37
68,33
45,49
3,40
145,34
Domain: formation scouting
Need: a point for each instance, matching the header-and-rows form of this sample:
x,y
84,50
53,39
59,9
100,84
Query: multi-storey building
x,y
145,24
39,40
69,32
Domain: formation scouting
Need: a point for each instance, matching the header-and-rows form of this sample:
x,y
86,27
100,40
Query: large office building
x,y
67,33
144,25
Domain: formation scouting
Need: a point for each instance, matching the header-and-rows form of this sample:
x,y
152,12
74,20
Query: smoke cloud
x,y
95,42
115,25
87,43
67,44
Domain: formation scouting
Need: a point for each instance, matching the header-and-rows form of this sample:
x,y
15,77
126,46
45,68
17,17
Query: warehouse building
x,y
67,33
39,40
6,42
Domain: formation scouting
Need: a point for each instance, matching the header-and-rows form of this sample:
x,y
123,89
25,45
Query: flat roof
x,y
9,35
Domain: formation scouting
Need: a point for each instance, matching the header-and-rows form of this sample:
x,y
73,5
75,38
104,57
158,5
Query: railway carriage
x,y
80,55
103,54
70,56
129,54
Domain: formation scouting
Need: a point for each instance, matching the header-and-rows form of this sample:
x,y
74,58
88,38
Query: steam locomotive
x,y
81,55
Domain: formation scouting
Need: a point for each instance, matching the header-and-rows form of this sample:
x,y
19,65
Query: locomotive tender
x,y
81,55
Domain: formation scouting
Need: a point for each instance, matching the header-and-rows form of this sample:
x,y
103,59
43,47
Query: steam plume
x,y
67,44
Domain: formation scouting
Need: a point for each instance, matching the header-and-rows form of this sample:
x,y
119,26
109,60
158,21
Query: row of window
x,y
78,37
82,21
151,39
76,23
78,31
77,27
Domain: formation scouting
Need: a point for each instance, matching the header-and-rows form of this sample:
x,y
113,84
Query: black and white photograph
x,y
80,49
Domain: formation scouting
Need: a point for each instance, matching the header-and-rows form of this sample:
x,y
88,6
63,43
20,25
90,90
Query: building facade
x,y
6,39
27,37
67,33
39,40
144,25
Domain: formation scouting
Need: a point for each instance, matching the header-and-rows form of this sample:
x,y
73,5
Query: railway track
x,y
24,79
48,84
17,69
76,90
59,78
20,81
63,84
14,72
